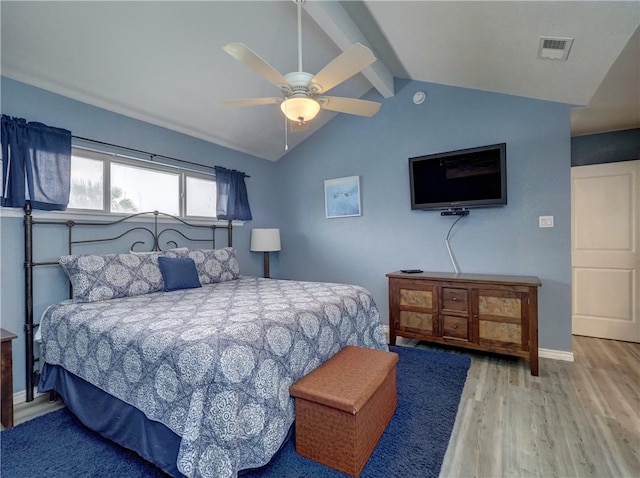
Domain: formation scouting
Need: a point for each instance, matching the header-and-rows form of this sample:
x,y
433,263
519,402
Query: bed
x,y
196,380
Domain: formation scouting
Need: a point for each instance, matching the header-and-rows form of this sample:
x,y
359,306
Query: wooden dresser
x,y
493,313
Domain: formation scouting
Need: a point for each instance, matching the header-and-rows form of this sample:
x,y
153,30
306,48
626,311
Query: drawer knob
x,y
455,326
455,299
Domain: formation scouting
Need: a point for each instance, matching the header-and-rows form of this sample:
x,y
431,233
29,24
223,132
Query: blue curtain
x,y
232,201
36,165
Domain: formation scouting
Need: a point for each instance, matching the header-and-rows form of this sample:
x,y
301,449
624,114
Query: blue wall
x,y
605,147
83,120
388,236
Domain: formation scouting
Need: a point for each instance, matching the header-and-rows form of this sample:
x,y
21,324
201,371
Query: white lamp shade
x,y
300,109
265,240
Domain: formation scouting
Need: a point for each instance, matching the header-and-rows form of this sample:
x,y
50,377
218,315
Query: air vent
x,y
553,48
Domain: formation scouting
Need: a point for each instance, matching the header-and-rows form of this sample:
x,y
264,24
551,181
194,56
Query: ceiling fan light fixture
x,y
300,109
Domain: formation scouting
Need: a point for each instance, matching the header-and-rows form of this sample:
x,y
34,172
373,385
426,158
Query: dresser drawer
x,y
455,327
455,299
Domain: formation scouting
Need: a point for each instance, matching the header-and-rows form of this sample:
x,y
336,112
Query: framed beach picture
x,y
342,197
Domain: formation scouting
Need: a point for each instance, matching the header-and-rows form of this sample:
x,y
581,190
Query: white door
x,y
605,227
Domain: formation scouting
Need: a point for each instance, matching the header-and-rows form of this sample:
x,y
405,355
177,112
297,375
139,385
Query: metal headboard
x,y
159,229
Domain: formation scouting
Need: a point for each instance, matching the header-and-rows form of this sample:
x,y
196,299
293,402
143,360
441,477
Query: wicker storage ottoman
x,y
344,406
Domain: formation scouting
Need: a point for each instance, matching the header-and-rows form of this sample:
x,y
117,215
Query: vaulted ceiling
x,y
162,62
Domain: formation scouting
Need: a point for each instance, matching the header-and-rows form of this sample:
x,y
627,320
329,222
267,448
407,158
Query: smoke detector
x,y
554,48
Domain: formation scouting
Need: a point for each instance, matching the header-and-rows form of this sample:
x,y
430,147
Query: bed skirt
x,y
114,419
117,420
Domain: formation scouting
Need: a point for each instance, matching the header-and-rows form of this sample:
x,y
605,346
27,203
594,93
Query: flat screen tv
x,y
474,177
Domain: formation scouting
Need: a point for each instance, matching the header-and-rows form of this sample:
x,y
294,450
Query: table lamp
x,y
266,241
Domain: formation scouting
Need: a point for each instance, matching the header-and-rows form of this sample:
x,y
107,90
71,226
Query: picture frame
x,y
342,197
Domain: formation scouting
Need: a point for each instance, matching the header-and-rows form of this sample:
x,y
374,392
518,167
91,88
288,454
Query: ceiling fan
x,y
303,94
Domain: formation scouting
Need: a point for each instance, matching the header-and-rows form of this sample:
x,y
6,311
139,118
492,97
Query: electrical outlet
x,y
545,221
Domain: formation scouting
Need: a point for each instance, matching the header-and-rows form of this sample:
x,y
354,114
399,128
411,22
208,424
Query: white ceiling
x,y
163,62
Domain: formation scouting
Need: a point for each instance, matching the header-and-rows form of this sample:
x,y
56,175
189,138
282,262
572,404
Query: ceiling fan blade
x,y
244,55
250,102
344,66
350,106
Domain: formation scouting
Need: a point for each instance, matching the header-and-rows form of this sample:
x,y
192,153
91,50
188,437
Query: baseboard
x,y
556,354
542,353
400,340
21,397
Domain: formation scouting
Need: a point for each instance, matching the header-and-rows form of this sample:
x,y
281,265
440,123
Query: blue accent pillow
x,y
213,265
178,273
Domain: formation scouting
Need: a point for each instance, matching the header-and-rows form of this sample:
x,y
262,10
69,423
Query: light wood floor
x,y
23,412
577,419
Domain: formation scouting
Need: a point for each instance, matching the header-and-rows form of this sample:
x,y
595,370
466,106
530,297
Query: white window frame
x,y
109,158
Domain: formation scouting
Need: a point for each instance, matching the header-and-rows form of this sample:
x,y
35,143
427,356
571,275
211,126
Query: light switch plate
x,y
545,221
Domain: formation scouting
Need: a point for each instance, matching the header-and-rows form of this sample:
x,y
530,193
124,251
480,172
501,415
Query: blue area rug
x,y
57,445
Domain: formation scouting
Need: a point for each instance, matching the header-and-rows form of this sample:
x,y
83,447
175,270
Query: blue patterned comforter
x,y
213,364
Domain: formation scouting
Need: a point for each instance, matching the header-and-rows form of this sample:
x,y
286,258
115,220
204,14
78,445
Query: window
x,y
87,183
102,183
201,197
136,189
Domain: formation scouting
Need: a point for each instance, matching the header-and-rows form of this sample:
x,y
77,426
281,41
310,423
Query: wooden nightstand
x,y
6,378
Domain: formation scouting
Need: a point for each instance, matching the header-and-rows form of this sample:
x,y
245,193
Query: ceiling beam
x,y
340,27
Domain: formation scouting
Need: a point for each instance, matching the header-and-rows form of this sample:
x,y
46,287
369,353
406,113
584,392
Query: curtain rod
x,y
147,153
